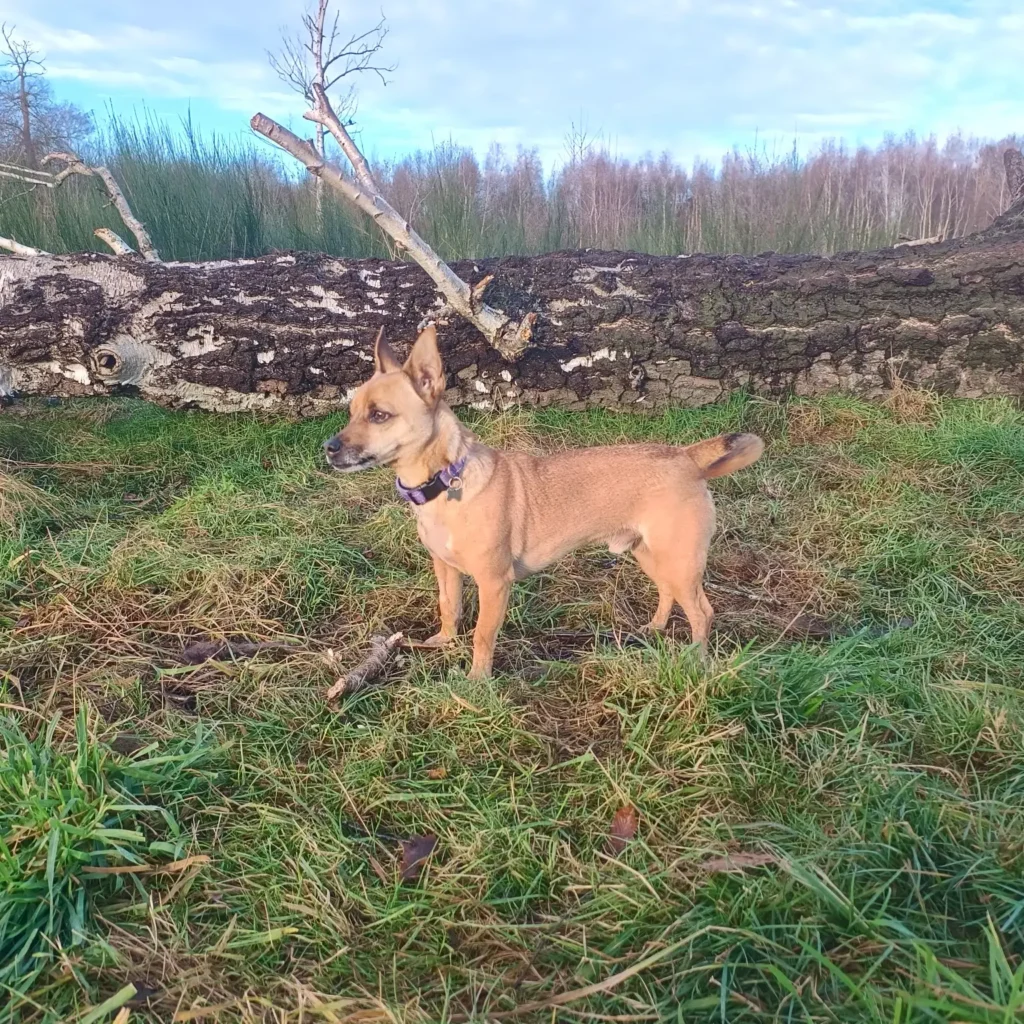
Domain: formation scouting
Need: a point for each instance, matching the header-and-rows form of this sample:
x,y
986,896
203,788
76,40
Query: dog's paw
x,y
434,642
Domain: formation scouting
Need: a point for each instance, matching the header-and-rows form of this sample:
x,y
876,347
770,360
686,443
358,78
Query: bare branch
x,y
323,113
119,246
134,225
905,242
356,54
33,177
330,64
21,57
318,58
508,338
21,250
20,54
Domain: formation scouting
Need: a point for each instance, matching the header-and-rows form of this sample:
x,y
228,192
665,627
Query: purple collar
x,y
450,478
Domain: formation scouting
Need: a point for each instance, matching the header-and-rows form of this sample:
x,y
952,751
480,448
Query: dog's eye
x,y
379,416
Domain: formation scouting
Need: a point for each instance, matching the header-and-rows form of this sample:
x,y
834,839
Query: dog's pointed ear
x,y
384,358
424,366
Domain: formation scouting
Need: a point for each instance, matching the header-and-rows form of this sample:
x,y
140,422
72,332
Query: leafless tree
x,y
32,121
24,65
318,57
315,65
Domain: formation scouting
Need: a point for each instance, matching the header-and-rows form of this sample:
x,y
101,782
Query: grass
x,y
209,197
859,727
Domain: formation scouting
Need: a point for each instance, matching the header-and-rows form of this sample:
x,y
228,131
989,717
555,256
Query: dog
x,y
498,516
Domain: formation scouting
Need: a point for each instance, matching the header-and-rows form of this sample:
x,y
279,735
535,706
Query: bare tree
x,y
317,57
32,121
24,65
313,67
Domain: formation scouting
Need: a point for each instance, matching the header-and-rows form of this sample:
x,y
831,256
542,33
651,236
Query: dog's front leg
x,y
449,599
493,605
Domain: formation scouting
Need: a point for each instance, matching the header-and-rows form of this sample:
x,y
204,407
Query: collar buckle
x,y
448,480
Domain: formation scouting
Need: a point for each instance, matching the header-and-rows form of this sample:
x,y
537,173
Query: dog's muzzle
x,y
346,460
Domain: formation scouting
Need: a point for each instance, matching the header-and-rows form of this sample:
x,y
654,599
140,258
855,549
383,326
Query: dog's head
x,y
392,414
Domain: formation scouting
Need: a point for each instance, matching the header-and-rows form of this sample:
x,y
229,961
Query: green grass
x,y
859,722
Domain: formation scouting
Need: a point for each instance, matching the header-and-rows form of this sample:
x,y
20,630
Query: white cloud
x,y
665,74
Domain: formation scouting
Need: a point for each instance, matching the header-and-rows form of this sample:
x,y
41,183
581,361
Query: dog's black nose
x,y
332,446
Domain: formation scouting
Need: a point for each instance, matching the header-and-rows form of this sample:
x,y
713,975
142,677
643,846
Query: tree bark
x,y
292,333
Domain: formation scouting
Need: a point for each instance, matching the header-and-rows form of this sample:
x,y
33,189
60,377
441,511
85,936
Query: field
x,y
828,816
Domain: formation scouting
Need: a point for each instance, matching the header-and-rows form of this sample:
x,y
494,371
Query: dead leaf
x,y
149,869
437,773
623,829
737,862
415,852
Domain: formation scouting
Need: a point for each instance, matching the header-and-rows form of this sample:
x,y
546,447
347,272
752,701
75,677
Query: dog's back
x,y
613,495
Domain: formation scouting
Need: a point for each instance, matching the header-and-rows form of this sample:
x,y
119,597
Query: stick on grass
x,y
381,650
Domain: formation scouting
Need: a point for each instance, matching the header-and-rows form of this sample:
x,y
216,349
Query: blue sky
x,y
682,76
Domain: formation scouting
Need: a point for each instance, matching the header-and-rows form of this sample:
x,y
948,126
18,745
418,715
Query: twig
x,y
115,241
134,225
381,650
21,250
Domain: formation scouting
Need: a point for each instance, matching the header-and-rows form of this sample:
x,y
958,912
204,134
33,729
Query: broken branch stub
x,y
507,337
117,244
11,245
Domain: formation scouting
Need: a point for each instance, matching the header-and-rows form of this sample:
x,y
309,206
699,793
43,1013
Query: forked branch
x,y
330,64
75,166
509,338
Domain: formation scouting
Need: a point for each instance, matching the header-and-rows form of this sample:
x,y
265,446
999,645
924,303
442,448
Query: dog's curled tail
x,y
725,454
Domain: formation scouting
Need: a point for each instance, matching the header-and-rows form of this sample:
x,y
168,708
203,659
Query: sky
x,y
686,77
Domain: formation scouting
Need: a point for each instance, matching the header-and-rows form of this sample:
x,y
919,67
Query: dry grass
x,y
856,736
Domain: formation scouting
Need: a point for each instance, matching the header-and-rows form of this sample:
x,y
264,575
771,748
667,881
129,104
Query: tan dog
x,y
499,516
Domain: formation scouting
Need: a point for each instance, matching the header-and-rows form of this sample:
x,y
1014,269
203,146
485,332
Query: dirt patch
x,y
815,425
757,593
571,720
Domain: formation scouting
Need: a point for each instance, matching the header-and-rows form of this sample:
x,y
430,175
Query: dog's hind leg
x,y
666,598
674,556
688,587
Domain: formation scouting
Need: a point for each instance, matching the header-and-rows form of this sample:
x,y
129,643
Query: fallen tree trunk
x,y
292,333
